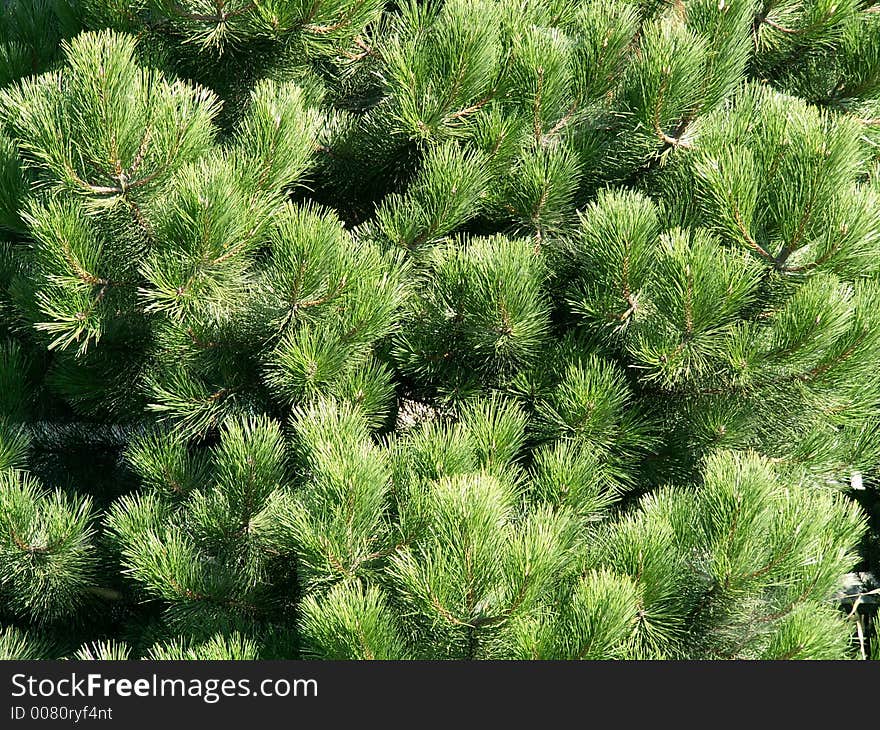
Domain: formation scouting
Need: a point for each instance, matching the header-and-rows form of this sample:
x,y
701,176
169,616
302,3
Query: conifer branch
x,y
747,237
220,17
341,23
795,242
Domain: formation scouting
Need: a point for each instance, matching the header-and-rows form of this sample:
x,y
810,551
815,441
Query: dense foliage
x,y
441,329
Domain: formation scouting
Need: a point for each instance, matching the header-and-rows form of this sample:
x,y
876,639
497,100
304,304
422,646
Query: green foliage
x,y
481,312
350,622
30,32
170,538
47,556
103,651
495,329
334,523
233,647
21,645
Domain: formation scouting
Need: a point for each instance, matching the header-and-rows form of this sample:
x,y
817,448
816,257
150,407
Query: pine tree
x,y
437,330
